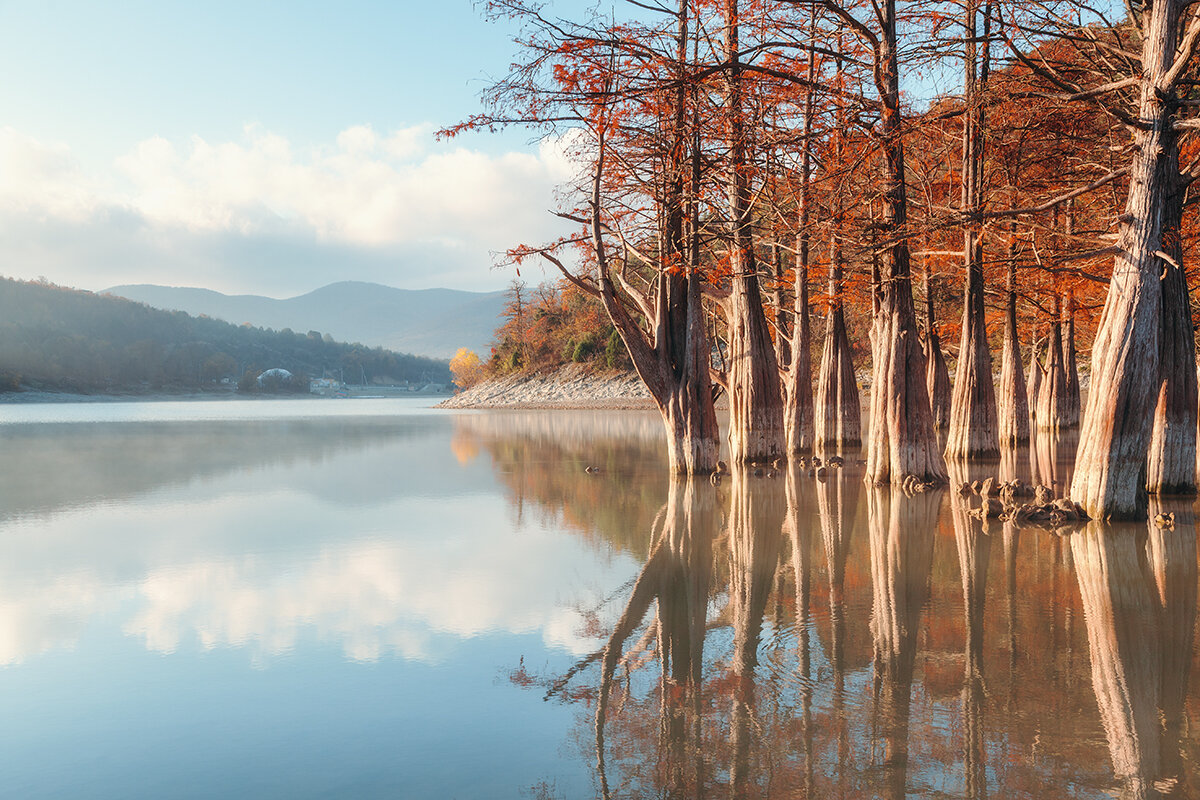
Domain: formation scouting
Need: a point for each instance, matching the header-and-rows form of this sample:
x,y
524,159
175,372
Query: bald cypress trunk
x,y
673,361
1074,407
1052,410
1110,472
1171,460
838,415
1033,386
1011,399
902,441
974,424
756,430
798,410
937,375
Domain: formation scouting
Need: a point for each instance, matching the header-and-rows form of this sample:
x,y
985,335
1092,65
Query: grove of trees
x,y
59,339
746,165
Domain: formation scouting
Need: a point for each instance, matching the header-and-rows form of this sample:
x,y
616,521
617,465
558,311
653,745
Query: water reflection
x,y
901,536
774,703
1139,600
772,636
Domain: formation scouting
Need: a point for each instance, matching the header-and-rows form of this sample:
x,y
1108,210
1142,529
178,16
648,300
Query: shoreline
x,y
571,387
34,396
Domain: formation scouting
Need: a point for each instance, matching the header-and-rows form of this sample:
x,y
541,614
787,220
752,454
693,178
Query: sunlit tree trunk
x,y
673,360
902,439
798,412
1033,386
1053,412
974,426
1171,458
937,375
1071,363
1011,399
1110,473
838,414
837,410
756,431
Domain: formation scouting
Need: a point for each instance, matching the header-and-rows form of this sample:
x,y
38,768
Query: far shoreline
x,y
36,396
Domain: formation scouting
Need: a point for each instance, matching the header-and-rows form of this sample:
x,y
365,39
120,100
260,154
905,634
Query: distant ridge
x,y
427,322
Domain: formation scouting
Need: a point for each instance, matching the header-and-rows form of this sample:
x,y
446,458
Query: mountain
x,y
427,322
58,339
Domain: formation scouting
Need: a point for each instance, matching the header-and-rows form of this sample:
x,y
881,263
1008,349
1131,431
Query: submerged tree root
x,y
1023,505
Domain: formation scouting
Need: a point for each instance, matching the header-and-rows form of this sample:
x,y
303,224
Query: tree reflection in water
x,y
901,535
1139,601
750,660
676,576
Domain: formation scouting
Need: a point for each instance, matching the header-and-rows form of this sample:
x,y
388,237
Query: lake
x,y
372,598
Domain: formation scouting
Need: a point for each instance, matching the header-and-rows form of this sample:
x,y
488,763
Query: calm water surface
x,y
304,599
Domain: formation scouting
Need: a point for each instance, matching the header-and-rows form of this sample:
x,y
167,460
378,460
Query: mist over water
x,y
375,599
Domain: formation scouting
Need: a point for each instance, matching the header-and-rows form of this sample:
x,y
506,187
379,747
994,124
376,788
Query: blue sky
x,y
264,147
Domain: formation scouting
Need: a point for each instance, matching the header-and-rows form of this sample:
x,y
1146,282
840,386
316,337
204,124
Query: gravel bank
x,y
569,387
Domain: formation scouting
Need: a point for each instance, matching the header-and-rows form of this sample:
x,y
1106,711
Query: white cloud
x,y
366,197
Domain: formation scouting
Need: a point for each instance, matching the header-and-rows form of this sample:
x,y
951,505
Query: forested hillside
x,y
67,340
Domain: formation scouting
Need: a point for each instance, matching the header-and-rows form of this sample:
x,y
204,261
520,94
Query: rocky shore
x,y
572,386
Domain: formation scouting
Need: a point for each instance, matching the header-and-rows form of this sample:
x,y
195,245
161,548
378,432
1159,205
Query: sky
x,y
260,147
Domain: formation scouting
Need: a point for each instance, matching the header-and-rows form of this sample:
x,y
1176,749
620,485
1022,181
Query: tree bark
x,y
1074,407
756,430
974,424
902,439
679,384
798,411
1110,473
1171,458
1033,387
937,375
1052,413
1012,400
838,414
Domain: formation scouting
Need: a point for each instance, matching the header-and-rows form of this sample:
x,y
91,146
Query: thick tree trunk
x,y
1012,400
1110,473
673,361
902,441
974,424
681,388
937,375
798,410
837,410
756,431
1171,459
